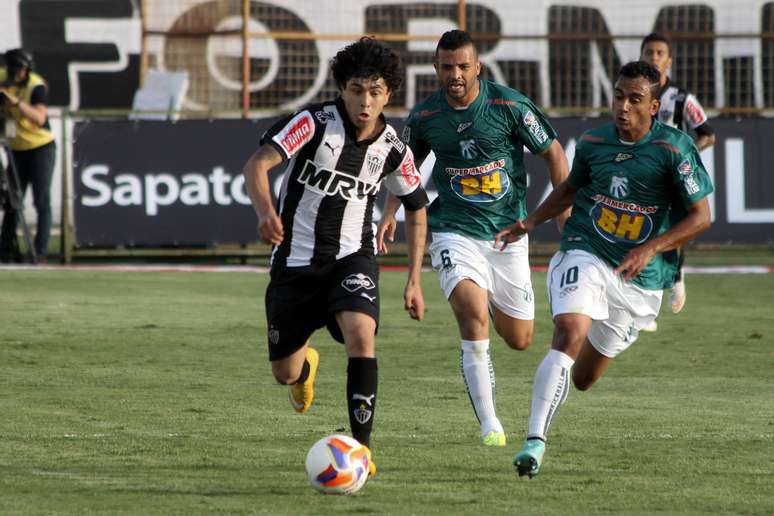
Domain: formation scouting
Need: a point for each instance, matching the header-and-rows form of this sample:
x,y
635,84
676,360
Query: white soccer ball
x,y
337,464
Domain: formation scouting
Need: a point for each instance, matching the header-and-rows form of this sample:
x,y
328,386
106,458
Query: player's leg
x,y
358,330
574,281
512,302
292,308
677,293
469,304
463,275
589,367
353,304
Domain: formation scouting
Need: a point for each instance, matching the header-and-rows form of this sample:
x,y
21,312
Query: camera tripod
x,y
12,203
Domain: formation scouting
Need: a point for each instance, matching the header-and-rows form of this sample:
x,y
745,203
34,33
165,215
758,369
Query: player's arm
x,y
416,236
256,172
388,223
696,222
705,137
696,118
558,170
557,202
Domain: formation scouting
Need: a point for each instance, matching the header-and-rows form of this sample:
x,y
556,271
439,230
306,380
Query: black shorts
x,y
300,300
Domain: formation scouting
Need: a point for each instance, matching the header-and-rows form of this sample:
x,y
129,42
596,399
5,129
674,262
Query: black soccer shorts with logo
x,y
300,300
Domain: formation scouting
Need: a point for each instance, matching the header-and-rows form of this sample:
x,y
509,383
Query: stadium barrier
x,y
175,188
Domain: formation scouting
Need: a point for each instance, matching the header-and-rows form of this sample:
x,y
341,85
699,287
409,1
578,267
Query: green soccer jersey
x,y
479,151
626,192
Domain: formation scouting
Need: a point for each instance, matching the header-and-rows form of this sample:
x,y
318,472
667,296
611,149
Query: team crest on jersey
x,y
622,222
619,187
468,149
374,164
355,282
325,116
622,156
534,127
463,126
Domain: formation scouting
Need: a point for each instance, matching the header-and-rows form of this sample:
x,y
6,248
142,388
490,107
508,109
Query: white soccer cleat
x,y
650,327
677,296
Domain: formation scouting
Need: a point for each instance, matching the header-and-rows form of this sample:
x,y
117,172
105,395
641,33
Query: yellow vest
x,y
28,134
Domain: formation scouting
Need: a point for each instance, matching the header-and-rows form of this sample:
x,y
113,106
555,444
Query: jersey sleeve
x,y
412,137
39,95
531,127
693,112
690,177
405,182
290,133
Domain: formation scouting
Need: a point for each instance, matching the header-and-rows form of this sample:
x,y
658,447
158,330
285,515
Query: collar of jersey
x,y
350,128
613,136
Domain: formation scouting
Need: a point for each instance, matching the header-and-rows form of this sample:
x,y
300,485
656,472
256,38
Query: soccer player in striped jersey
x,y
681,109
336,154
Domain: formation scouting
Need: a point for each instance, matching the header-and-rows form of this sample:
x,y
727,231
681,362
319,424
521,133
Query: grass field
x,y
150,393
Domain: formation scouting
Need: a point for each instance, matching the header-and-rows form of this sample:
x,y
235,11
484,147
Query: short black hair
x,y
367,58
454,39
656,36
636,69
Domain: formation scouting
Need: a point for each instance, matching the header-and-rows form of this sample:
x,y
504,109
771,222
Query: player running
x,y
477,130
606,281
323,268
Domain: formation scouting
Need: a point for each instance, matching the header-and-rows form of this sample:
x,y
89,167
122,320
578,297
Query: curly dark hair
x,y
454,39
636,69
367,58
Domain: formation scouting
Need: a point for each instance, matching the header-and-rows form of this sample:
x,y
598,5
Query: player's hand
x,y
414,301
386,229
270,228
511,234
635,261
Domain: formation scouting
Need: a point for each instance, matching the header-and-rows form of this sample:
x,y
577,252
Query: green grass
x,y
150,393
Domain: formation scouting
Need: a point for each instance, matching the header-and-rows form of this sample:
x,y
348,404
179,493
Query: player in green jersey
x,y
605,282
478,130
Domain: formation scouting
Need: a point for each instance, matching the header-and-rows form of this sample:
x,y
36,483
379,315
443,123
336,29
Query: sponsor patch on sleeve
x,y
534,127
694,114
409,171
296,133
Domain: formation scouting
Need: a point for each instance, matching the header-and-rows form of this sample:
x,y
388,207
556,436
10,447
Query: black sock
x,y
362,379
304,372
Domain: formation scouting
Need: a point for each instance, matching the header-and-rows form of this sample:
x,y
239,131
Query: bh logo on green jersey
x,y
621,222
486,183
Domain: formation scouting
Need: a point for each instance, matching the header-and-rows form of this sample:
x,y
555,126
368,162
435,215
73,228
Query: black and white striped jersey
x,y
330,184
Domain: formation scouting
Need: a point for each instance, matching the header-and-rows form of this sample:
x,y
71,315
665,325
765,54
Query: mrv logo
x,y
331,182
155,190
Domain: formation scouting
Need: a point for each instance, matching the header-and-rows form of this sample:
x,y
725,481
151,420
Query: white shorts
x,y
581,283
505,274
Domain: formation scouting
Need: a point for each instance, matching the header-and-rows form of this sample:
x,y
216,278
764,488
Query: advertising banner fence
x,y
161,184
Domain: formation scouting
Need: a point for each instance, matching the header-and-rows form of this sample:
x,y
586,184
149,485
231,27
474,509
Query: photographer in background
x,y
23,98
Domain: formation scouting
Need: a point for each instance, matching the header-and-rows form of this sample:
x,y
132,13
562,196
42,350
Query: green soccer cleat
x,y
530,458
494,438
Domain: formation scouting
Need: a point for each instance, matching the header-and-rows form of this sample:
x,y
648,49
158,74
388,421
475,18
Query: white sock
x,y
549,390
477,370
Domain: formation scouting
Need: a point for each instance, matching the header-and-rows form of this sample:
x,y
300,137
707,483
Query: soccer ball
x,y
337,464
